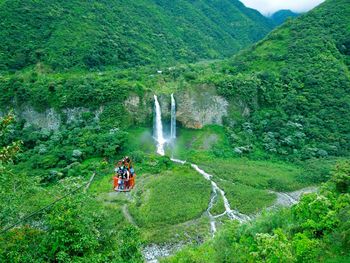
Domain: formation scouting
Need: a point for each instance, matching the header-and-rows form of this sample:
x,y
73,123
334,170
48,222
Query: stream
x,y
153,252
231,213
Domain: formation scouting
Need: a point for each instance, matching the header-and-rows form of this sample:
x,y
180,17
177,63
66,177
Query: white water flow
x,y
173,118
232,214
159,128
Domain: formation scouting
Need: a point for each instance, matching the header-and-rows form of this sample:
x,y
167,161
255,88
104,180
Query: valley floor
x,y
170,201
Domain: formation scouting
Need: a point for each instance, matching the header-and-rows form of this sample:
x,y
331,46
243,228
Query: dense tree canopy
x,y
295,84
94,34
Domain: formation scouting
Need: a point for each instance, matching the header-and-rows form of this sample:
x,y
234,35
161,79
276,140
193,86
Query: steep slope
x,y
281,16
296,85
88,34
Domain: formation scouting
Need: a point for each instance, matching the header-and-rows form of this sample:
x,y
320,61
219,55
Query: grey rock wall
x,y
196,107
51,119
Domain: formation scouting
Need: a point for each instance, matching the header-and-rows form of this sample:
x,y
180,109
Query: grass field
x,y
247,199
257,174
194,145
247,182
173,200
170,200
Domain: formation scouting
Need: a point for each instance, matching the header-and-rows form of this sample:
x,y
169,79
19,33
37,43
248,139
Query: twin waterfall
x,y
216,191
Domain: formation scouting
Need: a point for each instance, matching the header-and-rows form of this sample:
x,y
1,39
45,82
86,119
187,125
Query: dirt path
x,y
127,215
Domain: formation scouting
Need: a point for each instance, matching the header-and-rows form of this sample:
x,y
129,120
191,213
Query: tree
x,y
7,152
273,248
341,177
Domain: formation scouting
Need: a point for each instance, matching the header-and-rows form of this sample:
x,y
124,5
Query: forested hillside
x,y
281,16
63,34
222,150
294,86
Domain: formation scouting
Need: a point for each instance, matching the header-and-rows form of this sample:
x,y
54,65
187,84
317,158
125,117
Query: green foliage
x,y
7,152
72,231
76,229
306,249
54,155
170,200
273,248
21,245
281,16
129,245
293,87
62,91
75,34
316,230
341,177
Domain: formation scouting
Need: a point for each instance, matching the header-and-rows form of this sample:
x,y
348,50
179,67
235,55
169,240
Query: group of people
x,y
124,175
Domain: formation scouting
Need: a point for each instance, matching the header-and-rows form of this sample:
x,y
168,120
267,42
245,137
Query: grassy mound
x,y
173,199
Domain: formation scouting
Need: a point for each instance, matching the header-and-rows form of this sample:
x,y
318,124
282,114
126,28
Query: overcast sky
x,y
267,7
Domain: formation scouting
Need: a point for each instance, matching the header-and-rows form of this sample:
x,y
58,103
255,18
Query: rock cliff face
x,y
195,107
51,119
140,109
198,108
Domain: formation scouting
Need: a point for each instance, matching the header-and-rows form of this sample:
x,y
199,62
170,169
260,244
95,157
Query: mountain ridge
x,y
282,15
299,73
72,34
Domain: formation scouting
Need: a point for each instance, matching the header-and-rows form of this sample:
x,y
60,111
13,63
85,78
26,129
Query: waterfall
x,y
173,118
159,128
159,137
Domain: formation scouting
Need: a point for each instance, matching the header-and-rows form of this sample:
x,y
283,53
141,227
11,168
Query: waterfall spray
x,y
159,128
173,118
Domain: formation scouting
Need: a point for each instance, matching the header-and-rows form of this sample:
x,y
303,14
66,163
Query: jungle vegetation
x,y
287,128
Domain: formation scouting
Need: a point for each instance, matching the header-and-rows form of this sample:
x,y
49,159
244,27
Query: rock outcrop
x,y
195,107
198,108
48,119
140,109
51,119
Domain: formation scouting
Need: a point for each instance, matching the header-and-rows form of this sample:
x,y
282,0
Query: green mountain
x,y
287,102
282,15
95,34
296,84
